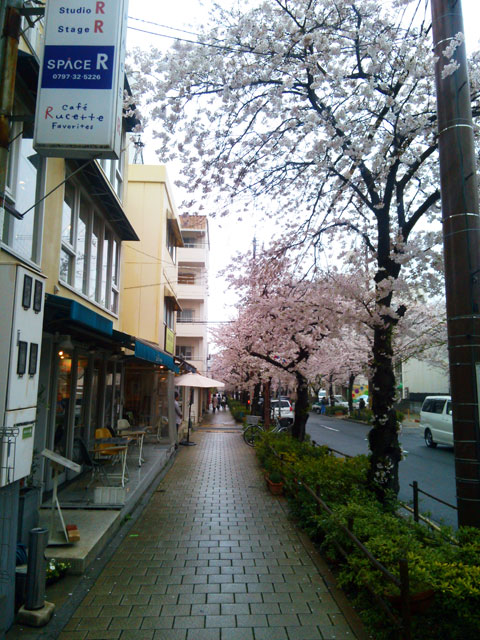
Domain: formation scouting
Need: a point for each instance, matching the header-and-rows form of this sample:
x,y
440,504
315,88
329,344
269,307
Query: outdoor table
x,y
115,446
137,435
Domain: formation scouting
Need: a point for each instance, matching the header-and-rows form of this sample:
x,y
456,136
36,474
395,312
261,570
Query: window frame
x,y
9,221
108,289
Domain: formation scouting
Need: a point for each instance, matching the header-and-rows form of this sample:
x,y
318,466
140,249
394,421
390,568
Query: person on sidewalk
x,y
178,414
323,406
214,403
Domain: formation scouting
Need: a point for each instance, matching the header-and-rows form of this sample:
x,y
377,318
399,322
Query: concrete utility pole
x,y
461,235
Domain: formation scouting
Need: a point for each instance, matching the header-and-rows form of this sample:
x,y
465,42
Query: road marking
x,y
329,428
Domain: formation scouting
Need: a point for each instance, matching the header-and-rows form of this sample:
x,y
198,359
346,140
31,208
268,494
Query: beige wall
x,y
148,269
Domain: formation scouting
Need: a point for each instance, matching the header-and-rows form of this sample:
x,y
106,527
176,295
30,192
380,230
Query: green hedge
x,y
446,561
237,409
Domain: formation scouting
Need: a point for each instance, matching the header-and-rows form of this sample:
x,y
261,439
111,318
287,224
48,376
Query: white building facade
x,y
192,291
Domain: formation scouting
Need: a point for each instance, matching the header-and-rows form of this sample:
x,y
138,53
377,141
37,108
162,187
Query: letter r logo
x,y
102,59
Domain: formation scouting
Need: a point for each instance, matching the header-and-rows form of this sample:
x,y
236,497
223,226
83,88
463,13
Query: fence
x,y
417,516
403,626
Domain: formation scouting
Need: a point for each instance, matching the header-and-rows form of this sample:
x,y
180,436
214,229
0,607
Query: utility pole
x,y
461,237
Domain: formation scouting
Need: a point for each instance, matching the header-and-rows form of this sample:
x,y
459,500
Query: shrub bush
x,y
331,411
447,562
237,409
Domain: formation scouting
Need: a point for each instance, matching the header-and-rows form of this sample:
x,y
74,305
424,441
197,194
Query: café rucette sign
x,y
80,95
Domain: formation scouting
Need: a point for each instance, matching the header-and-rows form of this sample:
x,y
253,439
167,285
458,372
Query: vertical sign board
x,y
80,94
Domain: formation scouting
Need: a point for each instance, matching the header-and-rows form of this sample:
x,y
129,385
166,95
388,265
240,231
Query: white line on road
x,y
329,428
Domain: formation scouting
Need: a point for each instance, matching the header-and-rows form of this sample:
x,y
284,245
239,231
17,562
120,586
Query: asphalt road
x,y
433,469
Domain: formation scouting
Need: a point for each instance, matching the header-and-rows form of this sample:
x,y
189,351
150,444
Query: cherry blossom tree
x,y
324,110
281,323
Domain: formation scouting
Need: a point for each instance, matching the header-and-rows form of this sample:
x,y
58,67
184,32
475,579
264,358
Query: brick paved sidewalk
x,y
213,557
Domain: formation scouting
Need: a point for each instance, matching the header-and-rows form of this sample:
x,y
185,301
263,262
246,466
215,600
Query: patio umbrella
x,y
196,380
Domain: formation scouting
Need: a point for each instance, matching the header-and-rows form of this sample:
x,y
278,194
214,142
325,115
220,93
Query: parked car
x,y
282,409
317,407
436,420
340,402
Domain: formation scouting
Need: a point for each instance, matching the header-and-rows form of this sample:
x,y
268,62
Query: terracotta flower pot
x,y
276,488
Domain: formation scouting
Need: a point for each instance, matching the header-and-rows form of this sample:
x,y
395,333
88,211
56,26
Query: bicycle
x,y
251,432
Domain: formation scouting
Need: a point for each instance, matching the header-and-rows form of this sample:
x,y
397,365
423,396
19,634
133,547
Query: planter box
x,y
275,488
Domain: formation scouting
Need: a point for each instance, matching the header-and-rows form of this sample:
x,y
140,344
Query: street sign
x,y
80,95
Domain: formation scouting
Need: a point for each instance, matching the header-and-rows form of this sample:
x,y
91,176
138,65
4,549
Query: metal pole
x,y
415,500
36,569
461,234
405,599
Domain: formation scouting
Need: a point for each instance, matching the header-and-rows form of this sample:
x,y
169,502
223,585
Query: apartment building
x,y
149,295
192,342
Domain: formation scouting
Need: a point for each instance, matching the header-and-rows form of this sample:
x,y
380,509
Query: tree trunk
x,y
331,399
256,397
351,381
266,403
383,437
301,408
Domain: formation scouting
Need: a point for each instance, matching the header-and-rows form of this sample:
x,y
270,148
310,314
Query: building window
x,y
186,277
114,170
184,351
191,242
21,224
171,241
89,258
168,313
186,315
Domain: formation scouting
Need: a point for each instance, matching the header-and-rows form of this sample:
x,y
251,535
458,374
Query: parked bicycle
x,y
254,428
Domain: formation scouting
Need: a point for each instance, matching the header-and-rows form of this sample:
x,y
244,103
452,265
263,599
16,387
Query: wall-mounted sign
x,y
80,95
169,340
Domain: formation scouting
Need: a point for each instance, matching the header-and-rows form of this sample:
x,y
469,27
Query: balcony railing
x,y
192,319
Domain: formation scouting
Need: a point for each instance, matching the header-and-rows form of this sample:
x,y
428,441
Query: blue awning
x,y
154,354
78,313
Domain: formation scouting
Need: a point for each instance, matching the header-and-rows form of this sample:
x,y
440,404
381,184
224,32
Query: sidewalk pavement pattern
x,y
213,557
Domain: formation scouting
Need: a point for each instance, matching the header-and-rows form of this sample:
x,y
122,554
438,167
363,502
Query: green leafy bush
x,y
237,409
331,411
447,562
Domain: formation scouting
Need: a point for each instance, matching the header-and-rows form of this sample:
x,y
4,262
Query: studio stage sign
x,y
80,95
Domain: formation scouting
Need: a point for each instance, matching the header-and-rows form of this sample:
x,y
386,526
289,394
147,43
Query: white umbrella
x,y
196,380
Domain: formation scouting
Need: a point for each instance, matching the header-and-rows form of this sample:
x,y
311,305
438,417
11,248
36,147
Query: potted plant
x,y
274,481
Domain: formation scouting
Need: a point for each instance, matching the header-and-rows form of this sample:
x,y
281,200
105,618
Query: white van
x,y
436,420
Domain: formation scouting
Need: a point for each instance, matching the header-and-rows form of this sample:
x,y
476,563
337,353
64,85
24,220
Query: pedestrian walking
x,y
323,406
178,414
214,403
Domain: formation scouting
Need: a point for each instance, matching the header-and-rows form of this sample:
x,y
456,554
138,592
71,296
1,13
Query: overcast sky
x,y
227,236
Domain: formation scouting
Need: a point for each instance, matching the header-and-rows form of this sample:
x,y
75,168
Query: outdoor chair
x,y
83,457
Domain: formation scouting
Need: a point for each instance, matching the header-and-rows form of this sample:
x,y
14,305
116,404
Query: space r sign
x,y
80,95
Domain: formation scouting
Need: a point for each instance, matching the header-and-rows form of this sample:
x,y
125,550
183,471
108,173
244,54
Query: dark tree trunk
x,y
301,408
266,403
255,401
351,381
383,437
331,399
